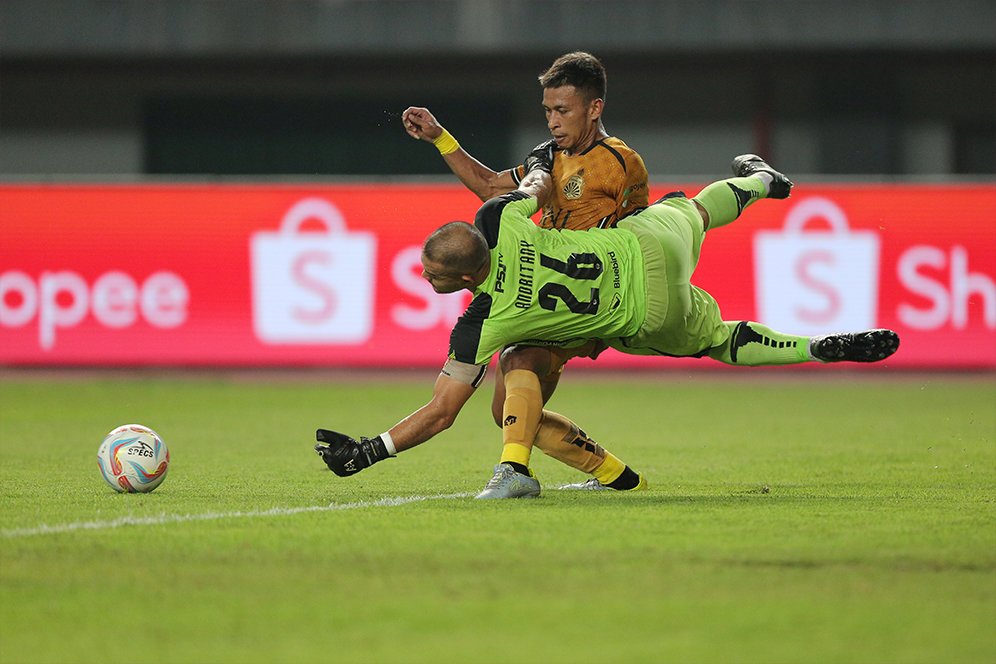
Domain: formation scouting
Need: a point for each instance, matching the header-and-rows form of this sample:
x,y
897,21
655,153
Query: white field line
x,y
45,529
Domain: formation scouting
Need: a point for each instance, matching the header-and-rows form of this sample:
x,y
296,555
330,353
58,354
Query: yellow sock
x,y
520,415
515,453
610,470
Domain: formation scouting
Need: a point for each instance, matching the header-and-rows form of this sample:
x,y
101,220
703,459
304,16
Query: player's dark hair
x,y
582,70
459,246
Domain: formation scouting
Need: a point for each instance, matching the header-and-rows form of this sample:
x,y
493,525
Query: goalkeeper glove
x,y
541,157
344,456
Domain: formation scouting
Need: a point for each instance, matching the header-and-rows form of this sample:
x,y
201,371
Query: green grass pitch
x,y
797,517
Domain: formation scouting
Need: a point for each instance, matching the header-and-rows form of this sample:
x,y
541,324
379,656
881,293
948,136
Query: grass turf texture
x,y
846,519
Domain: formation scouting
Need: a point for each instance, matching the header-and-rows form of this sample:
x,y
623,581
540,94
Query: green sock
x,y
726,199
755,345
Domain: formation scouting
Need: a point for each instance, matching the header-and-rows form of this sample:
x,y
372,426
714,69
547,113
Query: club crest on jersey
x,y
574,187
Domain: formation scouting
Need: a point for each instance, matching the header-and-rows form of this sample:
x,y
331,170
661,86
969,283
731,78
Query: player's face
x,y
441,280
572,121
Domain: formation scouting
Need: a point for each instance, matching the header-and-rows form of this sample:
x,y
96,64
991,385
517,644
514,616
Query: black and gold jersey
x,y
595,188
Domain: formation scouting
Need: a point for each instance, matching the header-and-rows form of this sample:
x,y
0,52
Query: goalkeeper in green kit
x,y
628,288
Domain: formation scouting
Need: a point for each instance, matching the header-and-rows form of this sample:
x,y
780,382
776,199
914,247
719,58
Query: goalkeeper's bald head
x,y
458,246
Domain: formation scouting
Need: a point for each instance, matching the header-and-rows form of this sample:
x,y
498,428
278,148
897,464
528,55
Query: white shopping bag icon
x,y
313,287
816,281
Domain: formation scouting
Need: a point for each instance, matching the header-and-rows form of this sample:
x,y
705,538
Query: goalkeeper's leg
x,y
523,410
754,345
521,418
527,378
530,377
751,344
563,440
725,200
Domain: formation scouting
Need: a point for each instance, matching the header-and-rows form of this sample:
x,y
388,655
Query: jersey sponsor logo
x,y
635,189
574,187
500,275
614,262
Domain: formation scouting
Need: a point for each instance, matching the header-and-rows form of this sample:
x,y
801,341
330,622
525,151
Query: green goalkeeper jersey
x,y
550,288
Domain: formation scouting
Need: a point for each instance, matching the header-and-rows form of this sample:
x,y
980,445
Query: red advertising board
x,y
202,275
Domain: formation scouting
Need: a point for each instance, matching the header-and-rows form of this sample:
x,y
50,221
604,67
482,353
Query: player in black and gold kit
x,y
597,180
594,188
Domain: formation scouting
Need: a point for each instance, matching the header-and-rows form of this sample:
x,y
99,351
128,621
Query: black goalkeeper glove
x,y
344,456
541,157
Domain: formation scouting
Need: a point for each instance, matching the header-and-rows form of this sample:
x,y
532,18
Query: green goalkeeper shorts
x,y
682,320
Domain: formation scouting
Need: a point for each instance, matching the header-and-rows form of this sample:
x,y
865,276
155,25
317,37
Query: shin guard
x,y
521,415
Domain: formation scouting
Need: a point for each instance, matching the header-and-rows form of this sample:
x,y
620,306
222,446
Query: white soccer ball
x,y
133,459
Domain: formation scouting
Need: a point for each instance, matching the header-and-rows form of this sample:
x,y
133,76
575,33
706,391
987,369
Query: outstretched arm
x,y
486,183
448,397
346,456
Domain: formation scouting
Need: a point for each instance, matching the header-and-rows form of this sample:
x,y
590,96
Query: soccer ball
x,y
133,459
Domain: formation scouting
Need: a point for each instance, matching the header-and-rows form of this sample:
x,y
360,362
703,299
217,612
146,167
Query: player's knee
x,y
721,354
528,358
540,361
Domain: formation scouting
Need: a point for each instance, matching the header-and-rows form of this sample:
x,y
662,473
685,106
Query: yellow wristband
x,y
445,143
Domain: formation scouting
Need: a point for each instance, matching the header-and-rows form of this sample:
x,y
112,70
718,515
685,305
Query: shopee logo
x,y
314,288
947,292
116,300
808,280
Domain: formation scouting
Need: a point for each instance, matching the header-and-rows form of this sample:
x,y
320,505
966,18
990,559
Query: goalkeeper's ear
x,y
332,437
